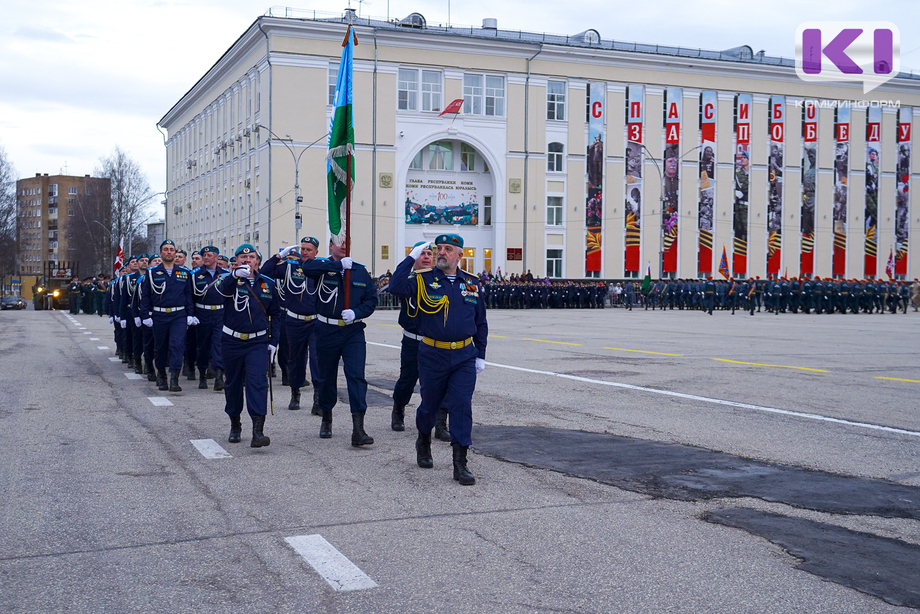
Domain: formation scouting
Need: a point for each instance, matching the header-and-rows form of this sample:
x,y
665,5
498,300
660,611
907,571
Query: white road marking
x,y
134,376
160,401
329,563
94,338
103,347
115,359
210,449
82,328
87,333
693,397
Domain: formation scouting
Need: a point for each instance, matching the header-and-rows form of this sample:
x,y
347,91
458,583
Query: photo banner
x,y
441,201
708,106
635,114
670,206
809,176
775,185
902,197
841,179
743,104
594,208
873,147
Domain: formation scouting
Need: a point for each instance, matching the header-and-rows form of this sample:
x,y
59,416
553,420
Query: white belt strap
x,y
168,309
209,307
412,336
298,316
244,336
336,322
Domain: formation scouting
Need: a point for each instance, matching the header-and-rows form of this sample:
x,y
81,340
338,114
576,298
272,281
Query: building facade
x,y
573,156
63,221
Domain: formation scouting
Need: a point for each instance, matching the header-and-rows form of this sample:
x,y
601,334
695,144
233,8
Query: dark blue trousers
x,y
245,368
191,345
137,339
345,343
147,335
447,379
408,371
301,340
169,339
128,338
209,334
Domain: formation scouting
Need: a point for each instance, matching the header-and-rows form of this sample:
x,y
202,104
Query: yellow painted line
x,y
547,341
642,352
754,364
898,379
499,336
392,325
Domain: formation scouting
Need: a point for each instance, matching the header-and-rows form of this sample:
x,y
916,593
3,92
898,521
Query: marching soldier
x,y
451,317
249,342
209,306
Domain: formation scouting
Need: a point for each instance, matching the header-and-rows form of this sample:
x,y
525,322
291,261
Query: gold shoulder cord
x,y
423,301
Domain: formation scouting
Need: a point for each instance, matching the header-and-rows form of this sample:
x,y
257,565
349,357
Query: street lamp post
x,y
287,142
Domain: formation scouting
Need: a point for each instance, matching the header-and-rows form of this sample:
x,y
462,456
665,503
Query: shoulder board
x,y
185,268
468,274
420,271
196,269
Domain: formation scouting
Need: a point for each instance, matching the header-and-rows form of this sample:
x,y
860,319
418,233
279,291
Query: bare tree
x,y
131,193
9,237
90,230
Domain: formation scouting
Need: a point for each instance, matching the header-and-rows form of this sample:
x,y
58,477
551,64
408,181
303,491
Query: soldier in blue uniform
x,y
340,335
167,307
127,287
191,342
209,309
709,294
249,341
451,317
298,294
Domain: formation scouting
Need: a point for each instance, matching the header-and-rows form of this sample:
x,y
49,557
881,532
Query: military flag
x,y
889,269
340,166
648,279
120,256
723,264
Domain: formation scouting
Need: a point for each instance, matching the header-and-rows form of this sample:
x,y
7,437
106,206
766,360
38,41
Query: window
x,y
555,100
71,212
468,261
484,100
431,90
441,156
417,160
408,90
467,158
53,189
554,263
333,75
554,158
487,213
487,256
72,190
71,201
554,211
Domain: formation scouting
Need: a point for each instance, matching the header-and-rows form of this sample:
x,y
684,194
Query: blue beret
x,y
181,251
154,256
449,239
143,255
167,242
210,249
312,240
294,253
420,243
196,253
245,248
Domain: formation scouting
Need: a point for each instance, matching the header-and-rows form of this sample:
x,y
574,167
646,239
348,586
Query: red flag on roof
x,y
453,107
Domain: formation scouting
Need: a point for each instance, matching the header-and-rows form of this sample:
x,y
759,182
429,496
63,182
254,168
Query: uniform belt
x,y
209,307
298,316
412,335
244,336
168,309
447,345
336,322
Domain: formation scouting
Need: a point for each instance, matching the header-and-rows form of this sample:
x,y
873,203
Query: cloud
x,y
45,35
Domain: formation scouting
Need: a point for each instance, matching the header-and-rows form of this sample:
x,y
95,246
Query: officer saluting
x,y
249,341
451,317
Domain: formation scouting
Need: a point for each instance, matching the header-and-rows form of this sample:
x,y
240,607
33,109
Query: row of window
x,y
439,156
422,90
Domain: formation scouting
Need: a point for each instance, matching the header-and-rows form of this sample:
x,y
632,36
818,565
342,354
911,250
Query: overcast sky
x,y
82,76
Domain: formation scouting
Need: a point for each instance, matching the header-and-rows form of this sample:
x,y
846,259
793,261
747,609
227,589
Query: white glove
x,y
148,322
348,315
191,320
480,365
286,251
242,271
418,249
124,323
346,263
271,354
137,322
111,319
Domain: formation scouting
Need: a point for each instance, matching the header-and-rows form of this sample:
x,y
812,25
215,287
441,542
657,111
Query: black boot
x,y
259,439
325,427
161,380
185,368
423,451
284,376
397,421
139,366
316,411
151,373
191,373
218,380
358,436
294,405
174,381
130,361
461,473
236,430
202,380
440,427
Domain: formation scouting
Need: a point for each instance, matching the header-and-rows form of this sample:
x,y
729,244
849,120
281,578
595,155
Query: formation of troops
x,y
221,321
782,295
545,295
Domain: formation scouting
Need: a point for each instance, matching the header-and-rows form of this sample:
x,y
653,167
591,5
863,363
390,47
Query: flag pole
x,y
347,277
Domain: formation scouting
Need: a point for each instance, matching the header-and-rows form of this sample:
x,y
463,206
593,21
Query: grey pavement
x,y
108,507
